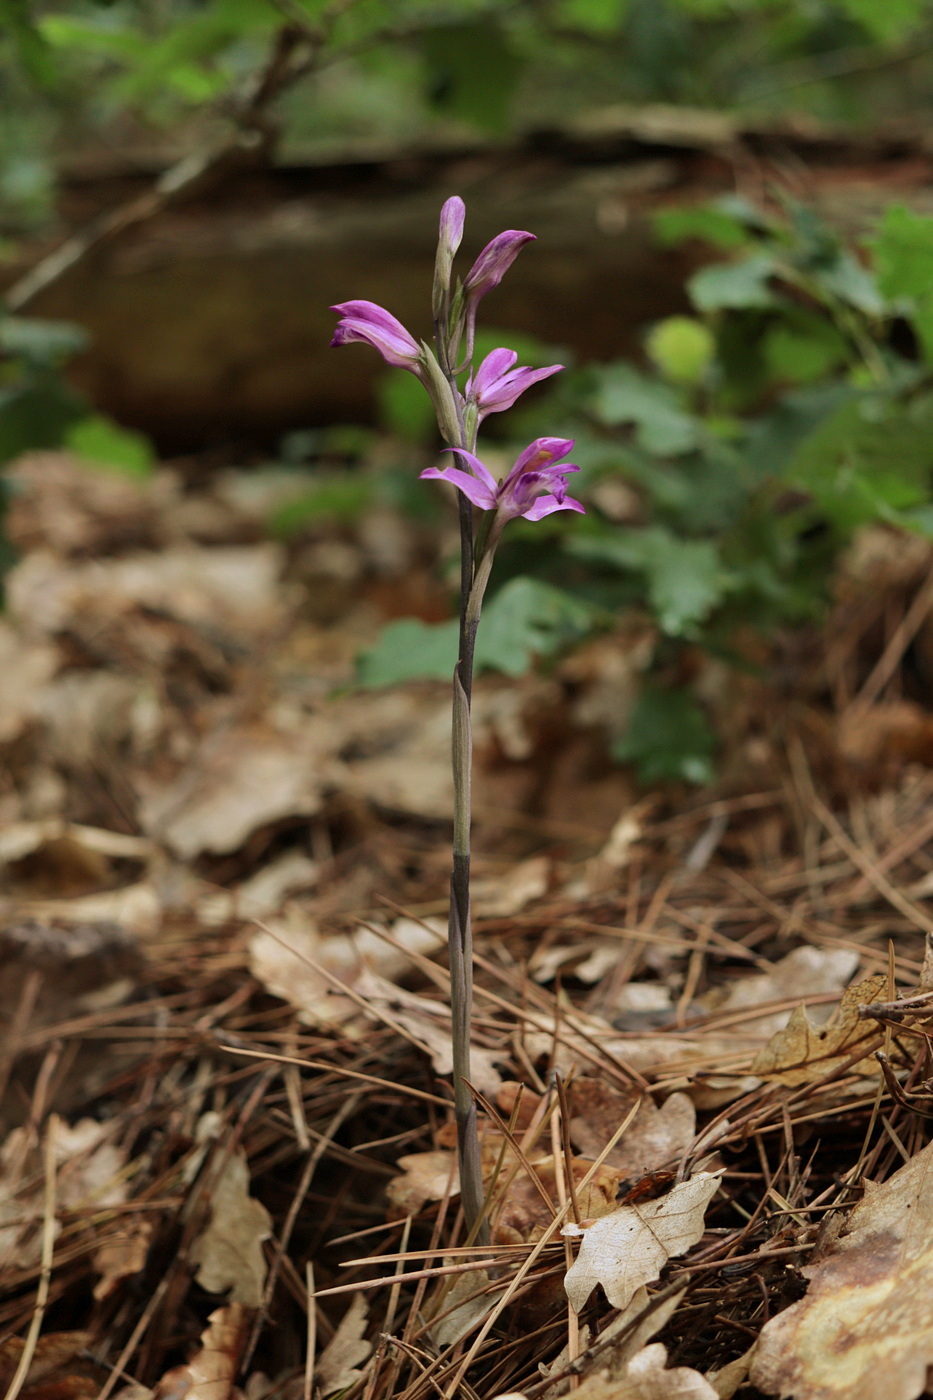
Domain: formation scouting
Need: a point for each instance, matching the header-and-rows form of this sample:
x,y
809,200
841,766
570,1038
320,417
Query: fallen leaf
x,y
53,1352
425,1176
865,1327
229,1251
122,1257
210,1373
804,972
630,1247
428,1023
466,1302
239,779
26,667
337,1367
504,895
646,1377
803,1052
655,1136
523,1215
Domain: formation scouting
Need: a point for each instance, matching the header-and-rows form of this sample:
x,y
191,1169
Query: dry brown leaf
x,y
338,1365
240,779
502,896
54,1351
523,1215
646,1378
802,973
466,1302
283,954
122,1257
229,1251
630,1247
428,1022
865,1328
425,1176
234,587
655,1136
210,1373
803,1052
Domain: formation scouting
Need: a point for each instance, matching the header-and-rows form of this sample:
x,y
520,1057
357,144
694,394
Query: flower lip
x,y
535,486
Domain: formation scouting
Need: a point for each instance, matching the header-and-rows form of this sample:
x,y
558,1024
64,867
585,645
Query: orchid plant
x,y
535,487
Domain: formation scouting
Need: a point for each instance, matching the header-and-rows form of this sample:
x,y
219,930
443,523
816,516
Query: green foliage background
x,y
792,406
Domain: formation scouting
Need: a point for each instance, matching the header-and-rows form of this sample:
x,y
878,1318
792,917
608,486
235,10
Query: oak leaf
x,y
803,1052
338,1365
630,1247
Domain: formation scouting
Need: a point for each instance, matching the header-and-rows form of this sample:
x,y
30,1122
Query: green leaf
x,y
473,72
593,16
99,439
870,460
35,412
41,342
622,395
526,619
685,578
888,22
903,252
668,738
409,650
335,496
704,221
803,348
404,407
846,278
682,347
734,286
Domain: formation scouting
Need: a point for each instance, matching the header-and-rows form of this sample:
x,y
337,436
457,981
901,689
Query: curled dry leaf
x,y
229,1251
425,1176
655,1136
210,1373
121,1257
630,1247
466,1302
803,1052
646,1377
865,1327
523,1215
338,1365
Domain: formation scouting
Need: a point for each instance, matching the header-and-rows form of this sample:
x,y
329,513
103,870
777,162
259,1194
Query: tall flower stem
x,y
473,581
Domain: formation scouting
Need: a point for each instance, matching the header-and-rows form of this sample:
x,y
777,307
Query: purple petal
x,y
482,472
546,505
474,490
502,393
494,262
370,324
496,364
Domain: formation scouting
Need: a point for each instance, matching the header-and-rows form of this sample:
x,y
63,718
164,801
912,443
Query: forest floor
x,y
703,1016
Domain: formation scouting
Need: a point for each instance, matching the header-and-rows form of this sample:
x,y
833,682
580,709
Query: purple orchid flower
x,y
496,384
373,325
494,262
534,488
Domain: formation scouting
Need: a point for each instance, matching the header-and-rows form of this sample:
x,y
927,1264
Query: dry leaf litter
x,y
703,1020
